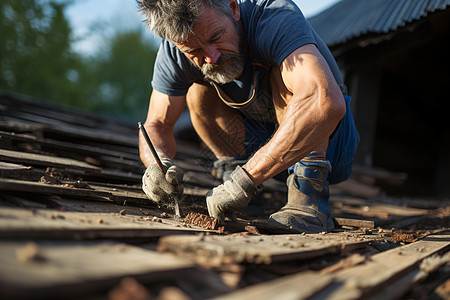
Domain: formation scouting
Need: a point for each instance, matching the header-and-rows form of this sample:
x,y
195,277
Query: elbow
x,y
340,108
336,109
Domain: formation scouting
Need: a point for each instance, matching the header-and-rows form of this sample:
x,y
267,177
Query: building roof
x,y
75,223
349,19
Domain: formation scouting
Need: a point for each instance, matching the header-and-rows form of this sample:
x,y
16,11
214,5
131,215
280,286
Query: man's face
x,y
216,46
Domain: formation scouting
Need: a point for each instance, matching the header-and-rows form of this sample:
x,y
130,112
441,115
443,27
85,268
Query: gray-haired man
x,y
258,81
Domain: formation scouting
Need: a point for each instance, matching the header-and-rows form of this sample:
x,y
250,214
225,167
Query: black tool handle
x,y
152,149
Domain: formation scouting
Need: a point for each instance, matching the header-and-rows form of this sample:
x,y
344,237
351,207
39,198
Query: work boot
x,y
307,209
223,167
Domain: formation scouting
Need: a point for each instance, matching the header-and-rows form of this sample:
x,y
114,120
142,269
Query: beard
x,y
227,68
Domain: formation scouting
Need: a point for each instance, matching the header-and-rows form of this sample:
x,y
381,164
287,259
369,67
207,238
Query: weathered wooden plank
x,y
61,145
114,175
356,222
17,102
94,135
18,223
368,278
76,189
44,160
17,171
71,268
12,167
7,123
306,284
371,208
382,276
76,131
261,249
43,188
398,287
94,191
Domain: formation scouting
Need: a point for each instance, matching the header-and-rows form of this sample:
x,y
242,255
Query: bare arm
x,y
309,116
163,113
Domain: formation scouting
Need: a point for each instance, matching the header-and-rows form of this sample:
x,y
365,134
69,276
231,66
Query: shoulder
x,y
173,73
169,52
274,28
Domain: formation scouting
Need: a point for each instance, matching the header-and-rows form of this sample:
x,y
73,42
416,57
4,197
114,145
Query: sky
x,y
84,15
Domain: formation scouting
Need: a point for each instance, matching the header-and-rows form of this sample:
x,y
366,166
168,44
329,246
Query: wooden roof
x,y
75,223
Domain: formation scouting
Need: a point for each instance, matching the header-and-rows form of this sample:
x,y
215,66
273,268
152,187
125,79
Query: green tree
x,y
36,58
35,50
122,70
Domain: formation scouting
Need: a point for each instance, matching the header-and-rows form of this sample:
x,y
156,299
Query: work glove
x,y
160,188
231,196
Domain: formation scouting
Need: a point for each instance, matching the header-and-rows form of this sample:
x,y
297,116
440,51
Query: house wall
x,y
400,87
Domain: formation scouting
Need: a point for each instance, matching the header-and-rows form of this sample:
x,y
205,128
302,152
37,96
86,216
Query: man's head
x,y
206,31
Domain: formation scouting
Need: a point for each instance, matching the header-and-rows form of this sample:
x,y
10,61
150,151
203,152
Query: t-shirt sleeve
x,y
173,74
279,28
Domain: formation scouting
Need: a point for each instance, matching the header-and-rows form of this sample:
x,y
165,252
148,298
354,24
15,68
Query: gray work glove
x,y
160,188
231,196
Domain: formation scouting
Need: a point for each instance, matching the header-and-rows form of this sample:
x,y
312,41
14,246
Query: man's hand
x,y
231,196
160,188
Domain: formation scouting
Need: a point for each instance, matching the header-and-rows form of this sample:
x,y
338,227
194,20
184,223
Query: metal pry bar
x,y
158,162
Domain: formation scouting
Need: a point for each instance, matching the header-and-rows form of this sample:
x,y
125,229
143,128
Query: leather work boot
x,y
307,209
222,168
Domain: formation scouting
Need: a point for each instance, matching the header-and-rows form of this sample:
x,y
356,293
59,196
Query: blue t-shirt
x,y
274,29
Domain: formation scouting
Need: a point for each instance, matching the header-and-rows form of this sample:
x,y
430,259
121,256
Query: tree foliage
x,y
36,58
122,73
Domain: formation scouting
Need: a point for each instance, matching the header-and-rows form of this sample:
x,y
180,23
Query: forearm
x,y
306,126
162,139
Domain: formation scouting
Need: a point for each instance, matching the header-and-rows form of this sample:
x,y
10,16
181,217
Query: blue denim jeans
x,y
341,148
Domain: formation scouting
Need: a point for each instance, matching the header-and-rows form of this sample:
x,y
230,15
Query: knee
x,y
201,99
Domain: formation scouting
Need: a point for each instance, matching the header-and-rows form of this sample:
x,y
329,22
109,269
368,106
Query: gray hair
x,y
174,19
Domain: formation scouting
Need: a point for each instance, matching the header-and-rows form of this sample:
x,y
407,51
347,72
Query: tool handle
x,y
152,149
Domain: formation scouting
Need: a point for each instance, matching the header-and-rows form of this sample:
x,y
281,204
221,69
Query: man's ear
x,y
234,6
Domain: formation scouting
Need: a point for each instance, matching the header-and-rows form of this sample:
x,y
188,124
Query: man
x,y
264,94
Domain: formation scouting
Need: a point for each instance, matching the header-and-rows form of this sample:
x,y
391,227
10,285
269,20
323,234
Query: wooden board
x,y
372,208
45,160
67,146
362,281
16,223
73,268
306,284
261,249
360,223
69,188
12,167
43,188
381,269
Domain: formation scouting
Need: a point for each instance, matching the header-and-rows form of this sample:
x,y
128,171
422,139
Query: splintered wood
x,y
201,220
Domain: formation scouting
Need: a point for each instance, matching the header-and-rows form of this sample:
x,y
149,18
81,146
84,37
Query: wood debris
x,y
201,220
74,222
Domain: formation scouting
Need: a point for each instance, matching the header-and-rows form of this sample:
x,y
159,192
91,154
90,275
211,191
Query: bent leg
x,y
220,127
